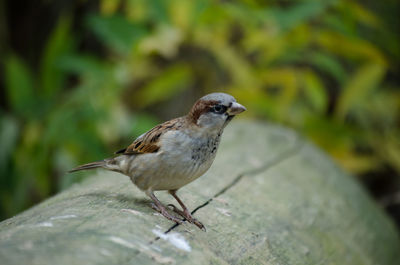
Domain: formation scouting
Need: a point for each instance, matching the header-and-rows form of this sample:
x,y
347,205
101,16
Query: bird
x,y
174,153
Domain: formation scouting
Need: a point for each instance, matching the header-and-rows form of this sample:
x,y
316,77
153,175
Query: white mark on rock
x,y
221,200
161,259
63,217
132,212
224,211
105,252
305,250
175,239
256,162
45,224
142,248
27,245
155,248
121,242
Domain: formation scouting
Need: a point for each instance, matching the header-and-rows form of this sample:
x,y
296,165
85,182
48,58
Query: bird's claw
x,y
185,214
166,214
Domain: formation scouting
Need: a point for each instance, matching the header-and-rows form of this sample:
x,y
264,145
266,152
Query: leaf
x,y
290,17
329,64
181,12
136,10
238,67
358,88
168,83
284,84
350,47
116,31
82,64
58,45
315,91
357,163
109,7
165,40
389,148
8,139
19,86
332,135
360,13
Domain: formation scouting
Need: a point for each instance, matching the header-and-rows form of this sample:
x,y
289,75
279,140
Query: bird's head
x,y
214,111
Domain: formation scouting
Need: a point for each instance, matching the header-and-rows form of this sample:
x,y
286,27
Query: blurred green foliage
x,y
327,68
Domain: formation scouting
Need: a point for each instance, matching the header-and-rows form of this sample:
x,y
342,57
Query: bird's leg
x,y
157,205
185,213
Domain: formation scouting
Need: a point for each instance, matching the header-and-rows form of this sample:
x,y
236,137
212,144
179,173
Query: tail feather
x,y
87,166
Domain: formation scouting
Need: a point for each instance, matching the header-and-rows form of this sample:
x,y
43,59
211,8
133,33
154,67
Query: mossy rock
x,y
270,198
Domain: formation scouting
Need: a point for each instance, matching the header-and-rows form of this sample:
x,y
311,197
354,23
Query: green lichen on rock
x,y
269,198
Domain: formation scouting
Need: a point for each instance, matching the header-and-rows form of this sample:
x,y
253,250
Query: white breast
x,y
180,160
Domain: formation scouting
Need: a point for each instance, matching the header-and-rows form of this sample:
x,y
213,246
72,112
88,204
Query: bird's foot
x,y
186,214
165,213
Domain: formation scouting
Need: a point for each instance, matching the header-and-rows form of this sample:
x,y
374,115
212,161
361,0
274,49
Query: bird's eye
x,y
219,109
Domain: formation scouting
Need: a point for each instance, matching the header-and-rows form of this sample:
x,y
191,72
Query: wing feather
x,y
150,141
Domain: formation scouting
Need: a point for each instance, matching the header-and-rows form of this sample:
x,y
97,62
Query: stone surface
x,y
270,198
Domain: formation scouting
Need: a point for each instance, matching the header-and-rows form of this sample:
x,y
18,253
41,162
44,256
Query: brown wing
x,y
149,142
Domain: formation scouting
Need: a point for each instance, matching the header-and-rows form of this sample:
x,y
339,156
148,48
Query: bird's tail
x,y
106,164
87,166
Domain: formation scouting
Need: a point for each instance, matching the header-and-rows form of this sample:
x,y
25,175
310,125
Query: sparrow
x,y
174,153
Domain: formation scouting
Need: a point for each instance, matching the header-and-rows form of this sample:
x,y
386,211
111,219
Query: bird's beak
x,y
235,109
